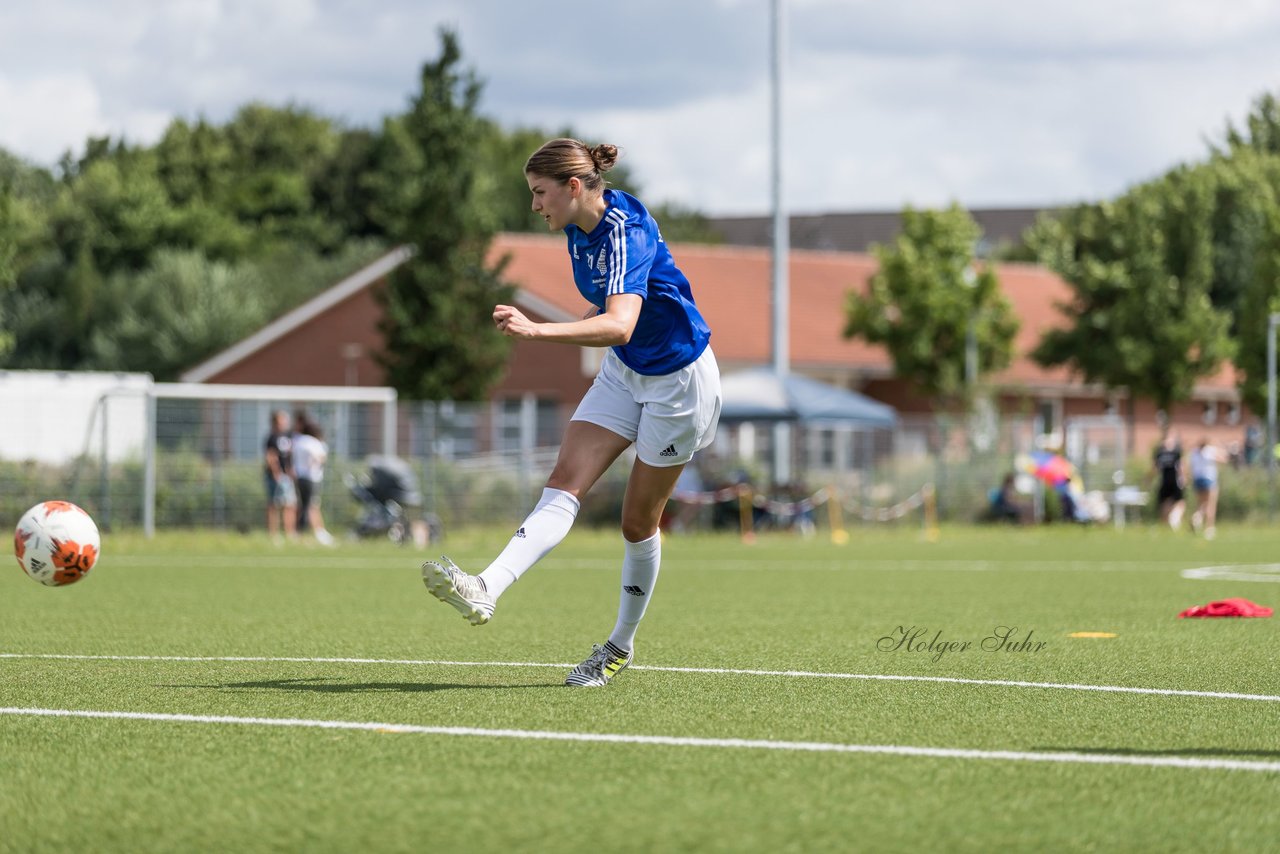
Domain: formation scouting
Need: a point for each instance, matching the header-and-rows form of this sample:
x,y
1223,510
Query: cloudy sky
x,y
985,102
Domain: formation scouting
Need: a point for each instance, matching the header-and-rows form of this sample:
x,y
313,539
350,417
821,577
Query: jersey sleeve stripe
x,y
618,252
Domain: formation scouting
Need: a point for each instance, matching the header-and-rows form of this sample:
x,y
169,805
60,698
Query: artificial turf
x,y
812,620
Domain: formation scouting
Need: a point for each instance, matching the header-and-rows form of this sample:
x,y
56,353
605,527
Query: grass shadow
x,y
323,685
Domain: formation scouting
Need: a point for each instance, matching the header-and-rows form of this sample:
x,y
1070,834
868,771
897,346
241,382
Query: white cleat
x,y
466,593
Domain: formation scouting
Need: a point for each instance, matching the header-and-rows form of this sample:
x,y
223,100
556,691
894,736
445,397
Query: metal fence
x,y
199,461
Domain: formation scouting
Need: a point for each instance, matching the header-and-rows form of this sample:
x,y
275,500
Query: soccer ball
x,y
56,543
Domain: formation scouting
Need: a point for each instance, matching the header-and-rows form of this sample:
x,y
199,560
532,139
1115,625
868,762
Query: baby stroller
x,y
384,493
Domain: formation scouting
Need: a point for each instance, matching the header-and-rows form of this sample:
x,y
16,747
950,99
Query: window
x,y
509,425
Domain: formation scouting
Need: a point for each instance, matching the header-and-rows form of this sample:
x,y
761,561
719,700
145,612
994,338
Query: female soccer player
x,y
658,388
1204,479
1166,467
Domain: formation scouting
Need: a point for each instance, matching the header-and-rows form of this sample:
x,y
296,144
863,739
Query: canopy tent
x,y
758,394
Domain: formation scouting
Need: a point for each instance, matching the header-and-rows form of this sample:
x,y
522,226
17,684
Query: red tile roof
x,y
732,288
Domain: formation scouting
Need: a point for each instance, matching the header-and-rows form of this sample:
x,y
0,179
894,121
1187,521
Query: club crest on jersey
x,y
599,267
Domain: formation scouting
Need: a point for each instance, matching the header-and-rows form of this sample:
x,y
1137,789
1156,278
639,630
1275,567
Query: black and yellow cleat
x,y
606,662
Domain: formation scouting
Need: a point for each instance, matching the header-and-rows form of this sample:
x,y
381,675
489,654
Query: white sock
x,y
542,531
640,565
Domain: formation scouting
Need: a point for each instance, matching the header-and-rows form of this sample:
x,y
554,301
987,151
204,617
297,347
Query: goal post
x,y
267,398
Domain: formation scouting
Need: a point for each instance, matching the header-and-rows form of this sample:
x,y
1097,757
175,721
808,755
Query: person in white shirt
x,y
1204,480
309,455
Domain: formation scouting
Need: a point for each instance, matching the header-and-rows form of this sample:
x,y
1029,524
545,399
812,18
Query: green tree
x,y
922,300
108,215
440,342
1261,300
501,179
1244,184
27,194
280,156
344,190
196,166
116,211
1140,269
684,225
1261,130
181,309
8,259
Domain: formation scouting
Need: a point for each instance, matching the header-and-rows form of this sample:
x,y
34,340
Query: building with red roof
x,y
333,338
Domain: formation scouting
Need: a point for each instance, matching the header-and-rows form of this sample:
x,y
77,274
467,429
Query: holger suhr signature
x,y
919,639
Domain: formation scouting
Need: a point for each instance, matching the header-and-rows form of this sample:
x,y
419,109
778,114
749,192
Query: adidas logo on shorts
x,y
520,533
669,452
634,590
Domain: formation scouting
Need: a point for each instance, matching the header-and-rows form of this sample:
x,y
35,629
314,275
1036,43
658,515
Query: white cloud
x,y
42,118
985,102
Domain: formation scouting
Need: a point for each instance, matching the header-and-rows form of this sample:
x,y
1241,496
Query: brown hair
x,y
562,159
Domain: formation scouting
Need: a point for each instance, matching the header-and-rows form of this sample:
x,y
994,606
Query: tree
x,y
684,225
26,195
343,188
8,256
116,211
1261,131
1140,268
1244,184
108,215
182,309
439,339
1261,300
922,300
502,178
196,166
280,155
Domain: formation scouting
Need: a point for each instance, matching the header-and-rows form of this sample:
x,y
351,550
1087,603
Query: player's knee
x,y
565,483
636,530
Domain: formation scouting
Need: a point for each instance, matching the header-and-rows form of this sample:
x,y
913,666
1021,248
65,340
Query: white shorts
x,y
669,417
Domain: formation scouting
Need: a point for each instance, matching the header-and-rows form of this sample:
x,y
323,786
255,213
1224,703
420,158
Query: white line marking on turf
x,y
737,565
673,741
1236,572
712,671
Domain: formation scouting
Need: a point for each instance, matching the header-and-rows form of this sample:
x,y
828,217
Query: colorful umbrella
x,y
1052,468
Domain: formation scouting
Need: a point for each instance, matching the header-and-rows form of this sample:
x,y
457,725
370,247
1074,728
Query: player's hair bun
x,y
604,156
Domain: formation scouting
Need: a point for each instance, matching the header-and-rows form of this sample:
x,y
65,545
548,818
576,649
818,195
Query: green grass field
x,y
803,753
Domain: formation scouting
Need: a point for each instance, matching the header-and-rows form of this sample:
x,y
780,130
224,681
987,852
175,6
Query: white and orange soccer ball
x,y
56,543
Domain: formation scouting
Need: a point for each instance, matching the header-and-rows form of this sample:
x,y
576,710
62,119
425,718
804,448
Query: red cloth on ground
x,y
1228,608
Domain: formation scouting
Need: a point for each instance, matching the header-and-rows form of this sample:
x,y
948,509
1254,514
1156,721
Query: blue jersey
x,y
625,254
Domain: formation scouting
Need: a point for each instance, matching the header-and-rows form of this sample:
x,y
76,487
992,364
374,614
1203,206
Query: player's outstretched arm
x,y
613,328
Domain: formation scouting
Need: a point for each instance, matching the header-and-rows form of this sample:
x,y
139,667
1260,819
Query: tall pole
x,y
1272,321
970,277
781,247
781,225
971,355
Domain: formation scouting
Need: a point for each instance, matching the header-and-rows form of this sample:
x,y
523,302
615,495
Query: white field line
x,y
673,741
1264,572
713,671
712,564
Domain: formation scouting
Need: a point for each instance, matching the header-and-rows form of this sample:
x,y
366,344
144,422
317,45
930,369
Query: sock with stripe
x,y
542,531
640,565
615,651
